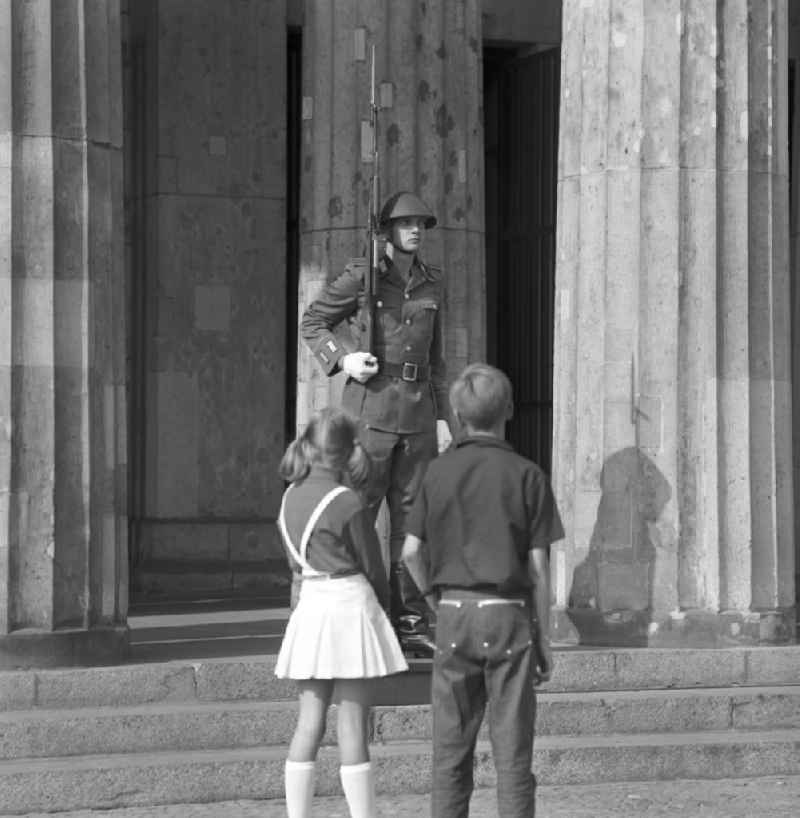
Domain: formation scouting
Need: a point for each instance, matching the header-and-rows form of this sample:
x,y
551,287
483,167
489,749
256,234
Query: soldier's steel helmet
x,y
404,204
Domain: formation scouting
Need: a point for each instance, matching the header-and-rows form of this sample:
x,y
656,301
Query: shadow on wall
x,y
612,589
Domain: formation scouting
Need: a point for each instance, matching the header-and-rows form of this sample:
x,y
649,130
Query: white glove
x,y
360,366
443,436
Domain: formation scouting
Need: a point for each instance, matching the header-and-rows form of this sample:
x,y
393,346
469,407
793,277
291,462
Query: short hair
x,y
481,397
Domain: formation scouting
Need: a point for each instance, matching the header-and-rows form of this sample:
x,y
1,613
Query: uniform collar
x,y
386,266
419,270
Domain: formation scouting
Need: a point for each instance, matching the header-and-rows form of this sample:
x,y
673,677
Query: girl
x,y
338,637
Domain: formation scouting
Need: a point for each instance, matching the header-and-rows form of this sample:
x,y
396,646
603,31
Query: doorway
x,y
521,105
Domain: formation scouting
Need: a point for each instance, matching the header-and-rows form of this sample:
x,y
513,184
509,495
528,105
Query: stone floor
x,y
775,797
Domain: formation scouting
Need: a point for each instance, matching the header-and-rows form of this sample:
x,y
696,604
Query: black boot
x,y
409,614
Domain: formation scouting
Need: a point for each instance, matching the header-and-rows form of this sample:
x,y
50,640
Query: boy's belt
x,y
480,597
406,371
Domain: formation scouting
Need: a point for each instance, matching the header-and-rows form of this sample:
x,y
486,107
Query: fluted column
x,y
672,449
431,141
63,557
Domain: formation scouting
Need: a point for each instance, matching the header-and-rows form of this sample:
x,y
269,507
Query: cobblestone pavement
x,y
774,797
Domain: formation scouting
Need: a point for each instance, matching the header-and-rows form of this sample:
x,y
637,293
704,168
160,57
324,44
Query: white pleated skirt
x,y
338,631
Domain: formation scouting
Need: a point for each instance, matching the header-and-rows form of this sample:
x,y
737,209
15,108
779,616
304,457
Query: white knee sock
x,y
298,779
359,789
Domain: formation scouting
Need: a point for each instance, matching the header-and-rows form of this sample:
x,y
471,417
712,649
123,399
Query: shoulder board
x,y
357,261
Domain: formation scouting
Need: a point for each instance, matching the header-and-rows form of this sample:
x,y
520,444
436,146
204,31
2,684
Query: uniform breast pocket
x,y
422,315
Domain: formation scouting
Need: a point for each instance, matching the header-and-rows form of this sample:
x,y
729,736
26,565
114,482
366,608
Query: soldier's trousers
x,y
398,466
399,462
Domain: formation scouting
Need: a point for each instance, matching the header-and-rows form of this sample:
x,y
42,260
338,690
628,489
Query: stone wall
x,y
211,338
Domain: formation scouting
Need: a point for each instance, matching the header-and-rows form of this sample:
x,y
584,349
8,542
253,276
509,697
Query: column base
x,y
686,629
64,648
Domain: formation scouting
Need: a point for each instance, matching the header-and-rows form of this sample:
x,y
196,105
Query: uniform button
x,y
452,644
408,349
408,320
407,295
486,644
379,303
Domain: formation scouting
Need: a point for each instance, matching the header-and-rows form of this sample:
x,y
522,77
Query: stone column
x,y
63,554
431,141
672,440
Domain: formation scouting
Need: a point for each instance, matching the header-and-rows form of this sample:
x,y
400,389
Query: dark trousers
x,y
484,654
398,466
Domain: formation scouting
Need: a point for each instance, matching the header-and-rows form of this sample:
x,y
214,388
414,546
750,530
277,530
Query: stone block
x,y
772,665
162,729
656,668
17,690
765,709
212,308
185,541
238,681
253,542
115,686
591,670
177,584
402,723
173,418
266,583
66,647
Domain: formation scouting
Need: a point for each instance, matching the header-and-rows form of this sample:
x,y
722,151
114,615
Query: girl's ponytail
x,y
296,461
359,466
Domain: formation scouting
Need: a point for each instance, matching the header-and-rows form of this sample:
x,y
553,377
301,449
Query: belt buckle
x,y
409,368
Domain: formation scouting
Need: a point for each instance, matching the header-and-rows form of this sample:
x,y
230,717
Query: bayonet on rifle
x,y
373,228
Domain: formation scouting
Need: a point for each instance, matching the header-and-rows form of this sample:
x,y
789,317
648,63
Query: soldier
x,y
398,389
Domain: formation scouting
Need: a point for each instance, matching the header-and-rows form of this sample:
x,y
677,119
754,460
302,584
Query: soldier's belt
x,y
405,371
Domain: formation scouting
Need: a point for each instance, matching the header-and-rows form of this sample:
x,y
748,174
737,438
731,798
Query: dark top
x,y
407,329
344,540
481,509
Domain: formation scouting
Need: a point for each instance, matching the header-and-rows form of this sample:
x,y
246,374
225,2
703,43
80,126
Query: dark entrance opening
x,y
294,64
521,100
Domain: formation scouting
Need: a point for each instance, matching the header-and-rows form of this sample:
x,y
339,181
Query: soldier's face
x,y
407,233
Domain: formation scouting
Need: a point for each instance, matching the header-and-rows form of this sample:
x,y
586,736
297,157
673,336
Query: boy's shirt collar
x,y
484,440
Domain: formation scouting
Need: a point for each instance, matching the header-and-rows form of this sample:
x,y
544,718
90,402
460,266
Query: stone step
x,y
103,782
252,678
231,725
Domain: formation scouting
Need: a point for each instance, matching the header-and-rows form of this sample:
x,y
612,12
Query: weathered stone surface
x,y
660,361
115,686
258,773
62,526
17,690
234,681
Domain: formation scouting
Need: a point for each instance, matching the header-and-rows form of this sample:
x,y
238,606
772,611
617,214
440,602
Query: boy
x,y
478,538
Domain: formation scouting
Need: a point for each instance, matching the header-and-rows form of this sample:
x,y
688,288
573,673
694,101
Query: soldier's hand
x,y
443,436
360,366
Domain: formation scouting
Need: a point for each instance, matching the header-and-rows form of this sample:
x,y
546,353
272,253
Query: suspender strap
x,y
300,554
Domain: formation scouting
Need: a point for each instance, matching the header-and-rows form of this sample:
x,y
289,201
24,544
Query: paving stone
x,y
770,797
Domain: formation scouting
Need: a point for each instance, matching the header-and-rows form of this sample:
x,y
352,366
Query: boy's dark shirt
x,y
481,509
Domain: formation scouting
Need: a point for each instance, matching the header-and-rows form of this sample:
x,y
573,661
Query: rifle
x,y
373,228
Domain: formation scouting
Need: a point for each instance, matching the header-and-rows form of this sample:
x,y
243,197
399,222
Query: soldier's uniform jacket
x,y
410,390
